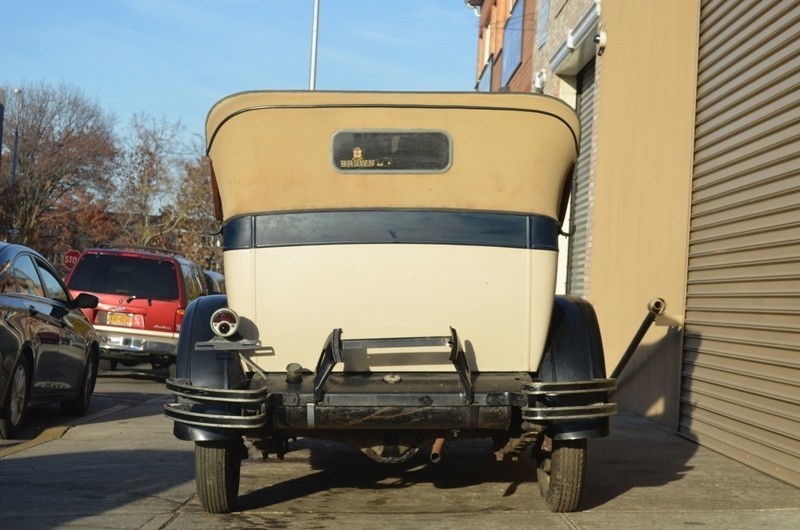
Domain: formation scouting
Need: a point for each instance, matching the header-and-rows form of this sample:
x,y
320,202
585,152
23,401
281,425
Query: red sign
x,y
71,258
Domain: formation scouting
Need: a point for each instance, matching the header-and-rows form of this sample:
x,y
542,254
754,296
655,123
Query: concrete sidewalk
x,y
126,470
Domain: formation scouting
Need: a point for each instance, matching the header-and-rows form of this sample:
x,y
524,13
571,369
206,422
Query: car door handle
x,y
32,311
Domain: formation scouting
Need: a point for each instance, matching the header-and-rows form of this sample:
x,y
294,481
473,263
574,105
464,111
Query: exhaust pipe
x,y
655,307
436,450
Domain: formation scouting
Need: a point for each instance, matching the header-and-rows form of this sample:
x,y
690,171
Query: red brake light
x,y
224,322
179,319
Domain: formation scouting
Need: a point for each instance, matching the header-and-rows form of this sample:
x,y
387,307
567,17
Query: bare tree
x,y
148,181
66,144
77,185
197,235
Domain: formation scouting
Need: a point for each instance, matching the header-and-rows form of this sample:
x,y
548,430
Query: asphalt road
x,y
120,467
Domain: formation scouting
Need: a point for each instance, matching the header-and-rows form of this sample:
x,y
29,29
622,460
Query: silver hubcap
x,y
19,388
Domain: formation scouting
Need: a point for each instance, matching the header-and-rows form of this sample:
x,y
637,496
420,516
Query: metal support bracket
x,y
334,350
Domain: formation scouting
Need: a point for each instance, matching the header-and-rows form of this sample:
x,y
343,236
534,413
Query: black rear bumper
x,y
415,401
299,401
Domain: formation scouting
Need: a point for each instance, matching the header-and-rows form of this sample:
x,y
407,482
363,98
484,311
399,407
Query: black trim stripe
x,y
343,227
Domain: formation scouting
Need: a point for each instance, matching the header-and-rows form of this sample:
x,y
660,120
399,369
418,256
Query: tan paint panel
x,y
293,297
645,124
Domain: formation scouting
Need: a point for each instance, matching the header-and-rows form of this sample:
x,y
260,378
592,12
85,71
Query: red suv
x,y
143,294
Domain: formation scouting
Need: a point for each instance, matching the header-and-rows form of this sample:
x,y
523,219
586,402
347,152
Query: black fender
x,y
204,367
196,328
574,352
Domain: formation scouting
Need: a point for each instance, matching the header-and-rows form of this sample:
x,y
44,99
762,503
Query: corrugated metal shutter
x,y
582,189
741,368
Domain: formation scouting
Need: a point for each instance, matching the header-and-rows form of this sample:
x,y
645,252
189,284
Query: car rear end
x,y
394,281
141,303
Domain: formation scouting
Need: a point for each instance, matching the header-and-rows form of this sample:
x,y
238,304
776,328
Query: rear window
x,y
125,275
391,151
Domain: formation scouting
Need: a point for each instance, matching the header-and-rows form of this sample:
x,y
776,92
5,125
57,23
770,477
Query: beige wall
x,y
645,120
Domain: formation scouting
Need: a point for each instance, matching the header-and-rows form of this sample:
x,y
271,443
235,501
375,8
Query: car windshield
x,y
126,275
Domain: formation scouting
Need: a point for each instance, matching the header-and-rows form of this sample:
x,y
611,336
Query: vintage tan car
x,y
390,261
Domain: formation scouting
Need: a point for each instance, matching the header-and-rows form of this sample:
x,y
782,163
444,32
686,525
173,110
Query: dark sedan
x,y
48,349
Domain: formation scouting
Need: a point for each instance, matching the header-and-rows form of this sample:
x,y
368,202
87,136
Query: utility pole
x,y
312,84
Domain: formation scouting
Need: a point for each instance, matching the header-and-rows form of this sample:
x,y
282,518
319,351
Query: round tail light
x,y
224,322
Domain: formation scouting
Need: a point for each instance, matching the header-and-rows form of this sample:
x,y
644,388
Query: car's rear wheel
x,y
16,399
560,472
80,405
217,469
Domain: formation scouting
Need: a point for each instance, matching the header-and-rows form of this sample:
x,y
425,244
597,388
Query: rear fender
x,y
574,352
204,368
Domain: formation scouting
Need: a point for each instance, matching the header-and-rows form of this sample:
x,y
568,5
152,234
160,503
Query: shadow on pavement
x,y
82,484
339,467
638,454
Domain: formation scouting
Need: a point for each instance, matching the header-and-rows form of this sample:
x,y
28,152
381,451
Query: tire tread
x,y
217,470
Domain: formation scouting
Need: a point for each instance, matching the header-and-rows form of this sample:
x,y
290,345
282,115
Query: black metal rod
x,y
654,308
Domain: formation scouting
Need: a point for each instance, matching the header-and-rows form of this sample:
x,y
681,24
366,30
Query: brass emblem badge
x,y
358,160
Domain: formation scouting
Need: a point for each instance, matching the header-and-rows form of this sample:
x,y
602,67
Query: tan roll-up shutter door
x,y
582,188
741,368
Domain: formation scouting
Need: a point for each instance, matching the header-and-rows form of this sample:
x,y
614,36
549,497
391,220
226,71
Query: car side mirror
x,y
85,301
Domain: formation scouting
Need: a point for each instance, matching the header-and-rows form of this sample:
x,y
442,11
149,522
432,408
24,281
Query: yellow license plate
x,y
120,319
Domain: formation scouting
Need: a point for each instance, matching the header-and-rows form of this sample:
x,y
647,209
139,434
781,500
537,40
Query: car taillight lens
x,y
224,322
179,319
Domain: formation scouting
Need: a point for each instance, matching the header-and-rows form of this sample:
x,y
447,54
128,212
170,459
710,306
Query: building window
x,y
487,43
542,26
512,42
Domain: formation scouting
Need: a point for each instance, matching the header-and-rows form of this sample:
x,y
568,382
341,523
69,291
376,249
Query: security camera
x,y
600,39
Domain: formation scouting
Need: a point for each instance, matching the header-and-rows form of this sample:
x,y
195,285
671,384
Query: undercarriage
x,y
389,416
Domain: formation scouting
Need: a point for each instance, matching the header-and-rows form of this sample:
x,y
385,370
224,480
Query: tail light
x,y
224,322
179,319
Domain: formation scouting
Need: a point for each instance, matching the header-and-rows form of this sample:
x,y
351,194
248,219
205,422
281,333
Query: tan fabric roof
x,y
272,151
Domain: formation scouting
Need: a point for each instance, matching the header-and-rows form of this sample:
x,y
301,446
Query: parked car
x,y
215,282
143,295
48,349
392,220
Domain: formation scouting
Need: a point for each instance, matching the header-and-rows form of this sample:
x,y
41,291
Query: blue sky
x,y
175,58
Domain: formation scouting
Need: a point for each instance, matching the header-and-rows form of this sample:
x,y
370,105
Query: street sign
x,y
71,258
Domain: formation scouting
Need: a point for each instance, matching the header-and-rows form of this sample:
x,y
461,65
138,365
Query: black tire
x,y
80,405
560,473
16,399
217,467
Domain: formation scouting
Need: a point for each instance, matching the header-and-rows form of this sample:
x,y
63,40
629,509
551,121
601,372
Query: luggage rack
x,y
335,348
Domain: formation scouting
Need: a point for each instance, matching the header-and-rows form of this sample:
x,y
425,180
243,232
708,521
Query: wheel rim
x,y
19,390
